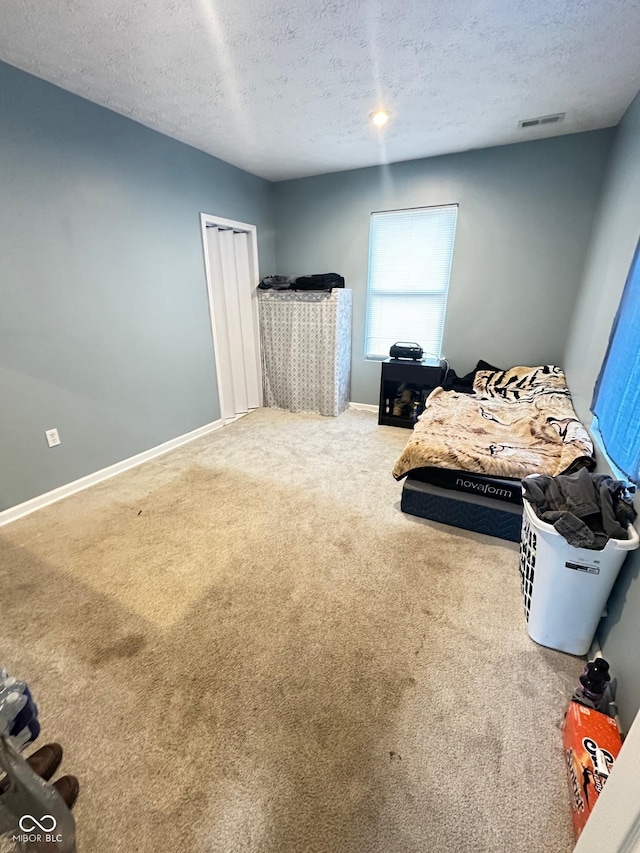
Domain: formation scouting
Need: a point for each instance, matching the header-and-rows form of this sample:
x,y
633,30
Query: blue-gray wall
x,y
523,228
615,235
104,319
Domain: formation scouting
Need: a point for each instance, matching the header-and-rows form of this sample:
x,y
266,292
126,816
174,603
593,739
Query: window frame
x,y
435,293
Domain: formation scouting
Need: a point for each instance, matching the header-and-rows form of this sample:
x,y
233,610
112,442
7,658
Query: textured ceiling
x,y
283,88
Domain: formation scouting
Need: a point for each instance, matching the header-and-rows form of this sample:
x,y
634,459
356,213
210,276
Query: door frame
x,y
211,220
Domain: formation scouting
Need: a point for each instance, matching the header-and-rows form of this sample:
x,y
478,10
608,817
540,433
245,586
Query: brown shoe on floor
x,y
44,762
68,787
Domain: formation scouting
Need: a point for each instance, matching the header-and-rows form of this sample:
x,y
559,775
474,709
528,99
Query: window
x,y
616,401
409,265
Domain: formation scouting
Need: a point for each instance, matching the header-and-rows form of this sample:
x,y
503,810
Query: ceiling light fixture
x,y
379,117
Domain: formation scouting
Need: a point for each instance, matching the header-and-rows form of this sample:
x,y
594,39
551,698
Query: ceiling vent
x,y
534,122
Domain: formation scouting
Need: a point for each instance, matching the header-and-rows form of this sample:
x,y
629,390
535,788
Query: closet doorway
x,y
231,265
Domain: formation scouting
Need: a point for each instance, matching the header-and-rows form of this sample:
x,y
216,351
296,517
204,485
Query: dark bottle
x,y
594,680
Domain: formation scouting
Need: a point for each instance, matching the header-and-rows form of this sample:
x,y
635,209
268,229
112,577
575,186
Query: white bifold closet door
x,y
234,320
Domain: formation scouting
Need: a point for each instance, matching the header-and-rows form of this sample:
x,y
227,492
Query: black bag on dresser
x,y
322,281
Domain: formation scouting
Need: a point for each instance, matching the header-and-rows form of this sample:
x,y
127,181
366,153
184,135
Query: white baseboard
x,y
596,649
20,510
364,407
237,417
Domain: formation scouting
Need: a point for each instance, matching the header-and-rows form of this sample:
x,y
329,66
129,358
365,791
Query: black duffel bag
x,y
321,281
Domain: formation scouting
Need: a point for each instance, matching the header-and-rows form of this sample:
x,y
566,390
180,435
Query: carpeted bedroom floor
x,y
244,645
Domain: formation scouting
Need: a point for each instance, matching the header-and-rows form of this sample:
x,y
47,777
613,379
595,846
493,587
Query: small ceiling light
x,y
379,117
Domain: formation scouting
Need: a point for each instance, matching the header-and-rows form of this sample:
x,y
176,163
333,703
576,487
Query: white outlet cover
x,y
53,439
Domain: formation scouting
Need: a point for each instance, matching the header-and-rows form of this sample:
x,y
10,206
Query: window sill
x,y
427,361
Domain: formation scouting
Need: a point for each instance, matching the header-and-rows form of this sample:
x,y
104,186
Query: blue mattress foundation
x,y
460,509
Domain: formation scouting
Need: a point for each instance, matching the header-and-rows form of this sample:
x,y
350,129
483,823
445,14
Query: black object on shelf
x,y
407,350
404,388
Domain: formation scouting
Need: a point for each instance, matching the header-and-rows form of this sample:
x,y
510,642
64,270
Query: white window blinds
x,y
410,254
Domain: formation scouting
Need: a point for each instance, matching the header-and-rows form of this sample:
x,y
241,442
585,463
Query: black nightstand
x,y
419,380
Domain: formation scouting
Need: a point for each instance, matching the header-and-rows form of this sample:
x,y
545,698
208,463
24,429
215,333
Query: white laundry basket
x,y
565,589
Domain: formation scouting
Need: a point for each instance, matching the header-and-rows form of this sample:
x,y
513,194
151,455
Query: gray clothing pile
x,y
587,509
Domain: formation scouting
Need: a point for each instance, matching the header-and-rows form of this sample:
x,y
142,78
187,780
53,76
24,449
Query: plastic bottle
x,y
595,678
593,683
18,711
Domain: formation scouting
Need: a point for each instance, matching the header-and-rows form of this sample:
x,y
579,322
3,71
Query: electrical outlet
x,y
53,439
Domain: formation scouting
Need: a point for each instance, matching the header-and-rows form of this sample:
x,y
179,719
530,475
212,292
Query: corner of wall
x,y
614,236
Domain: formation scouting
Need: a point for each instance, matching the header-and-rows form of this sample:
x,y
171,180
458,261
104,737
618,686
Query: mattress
x,y
517,422
498,488
467,510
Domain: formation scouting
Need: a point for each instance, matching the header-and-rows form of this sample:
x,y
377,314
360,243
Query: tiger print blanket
x,y
517,422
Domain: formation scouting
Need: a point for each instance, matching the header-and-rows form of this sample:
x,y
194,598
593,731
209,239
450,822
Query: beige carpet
x,y
246,646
